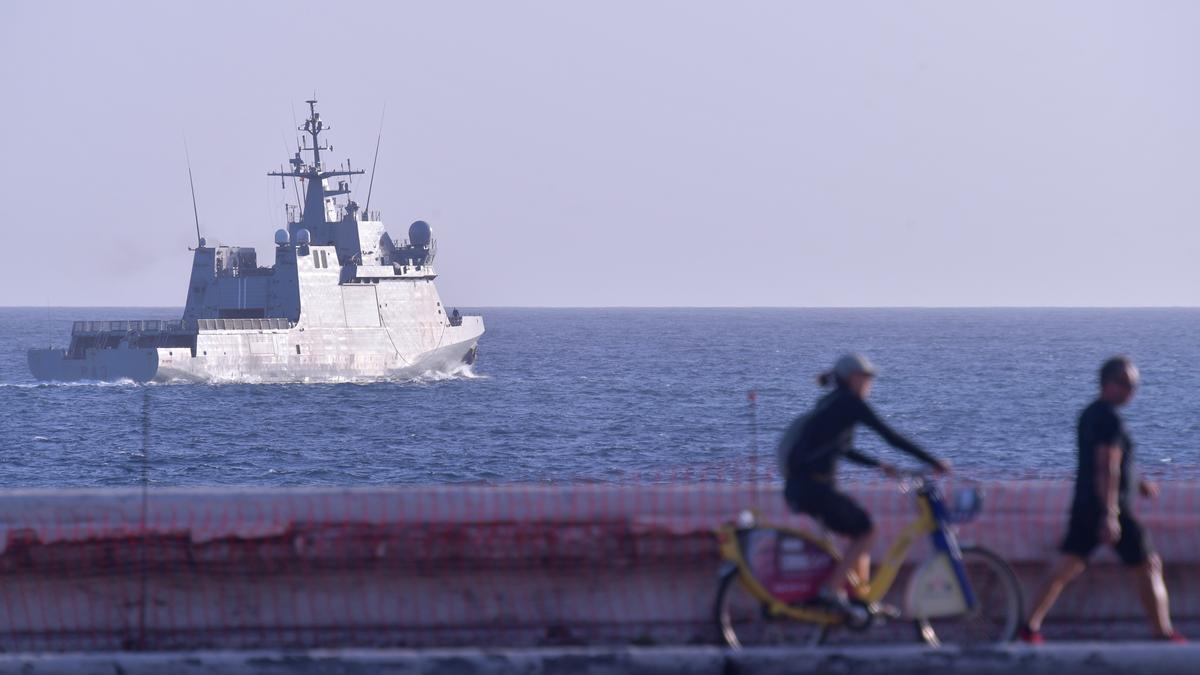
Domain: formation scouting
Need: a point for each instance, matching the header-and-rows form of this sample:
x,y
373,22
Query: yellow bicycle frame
x,y
873,591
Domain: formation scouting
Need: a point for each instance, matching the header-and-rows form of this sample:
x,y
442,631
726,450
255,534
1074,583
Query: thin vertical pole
x,y
752,397
374,162
192,185
141,640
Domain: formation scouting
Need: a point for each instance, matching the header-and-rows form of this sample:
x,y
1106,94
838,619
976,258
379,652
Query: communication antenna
x,y
192,184
295,183
371,184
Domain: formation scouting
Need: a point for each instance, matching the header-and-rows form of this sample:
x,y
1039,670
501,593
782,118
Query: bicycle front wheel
x,y
743,621
998,610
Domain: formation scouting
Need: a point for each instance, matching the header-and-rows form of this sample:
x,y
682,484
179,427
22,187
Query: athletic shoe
x,y
836,601
1030,637
884,610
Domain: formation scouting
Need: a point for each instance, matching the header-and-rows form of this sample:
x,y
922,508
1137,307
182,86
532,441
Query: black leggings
x,y
835,510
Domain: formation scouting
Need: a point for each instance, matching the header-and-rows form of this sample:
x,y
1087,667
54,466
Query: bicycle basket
x,y
968,502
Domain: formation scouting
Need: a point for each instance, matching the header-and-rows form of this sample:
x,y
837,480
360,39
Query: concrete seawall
x,y
1065,659
444,566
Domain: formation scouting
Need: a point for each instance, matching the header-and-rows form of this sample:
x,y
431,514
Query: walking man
x,y
1100,512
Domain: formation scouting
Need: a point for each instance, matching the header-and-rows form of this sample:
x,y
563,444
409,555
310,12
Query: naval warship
x,y
343,301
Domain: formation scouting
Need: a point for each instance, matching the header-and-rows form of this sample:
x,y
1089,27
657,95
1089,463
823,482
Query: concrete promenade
x,y
1141,658
447,566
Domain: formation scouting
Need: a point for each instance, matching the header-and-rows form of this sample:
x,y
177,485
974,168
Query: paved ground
x,y
1060,659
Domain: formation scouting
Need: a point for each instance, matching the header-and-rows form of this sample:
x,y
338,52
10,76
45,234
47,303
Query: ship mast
x,y
314,173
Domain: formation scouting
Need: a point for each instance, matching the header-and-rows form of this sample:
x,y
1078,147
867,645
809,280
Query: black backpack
x,y
792,450
790,442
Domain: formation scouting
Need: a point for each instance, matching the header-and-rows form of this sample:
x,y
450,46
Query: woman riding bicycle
x,y
812,447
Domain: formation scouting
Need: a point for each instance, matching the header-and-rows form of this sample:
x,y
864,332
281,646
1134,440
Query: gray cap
x,y
853,364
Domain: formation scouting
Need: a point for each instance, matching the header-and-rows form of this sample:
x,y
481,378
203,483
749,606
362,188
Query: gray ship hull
x,y
287,355
343,301
103,365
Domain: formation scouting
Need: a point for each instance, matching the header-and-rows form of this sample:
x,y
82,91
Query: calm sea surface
x,y
616,396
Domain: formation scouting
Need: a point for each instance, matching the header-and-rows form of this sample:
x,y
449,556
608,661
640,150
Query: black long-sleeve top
x,y
828,433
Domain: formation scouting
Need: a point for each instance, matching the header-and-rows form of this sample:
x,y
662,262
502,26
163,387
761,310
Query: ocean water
x,y
617,395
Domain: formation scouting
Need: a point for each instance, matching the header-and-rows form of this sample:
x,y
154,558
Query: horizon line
x,y
831,307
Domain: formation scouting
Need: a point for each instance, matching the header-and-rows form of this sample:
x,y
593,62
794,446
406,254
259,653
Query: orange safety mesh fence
x,y
455,565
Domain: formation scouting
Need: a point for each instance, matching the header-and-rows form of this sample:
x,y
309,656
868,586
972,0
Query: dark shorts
x,y
835,510
1083,536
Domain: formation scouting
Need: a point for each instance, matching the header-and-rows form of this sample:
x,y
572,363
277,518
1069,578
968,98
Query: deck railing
x,y
244,324
143,326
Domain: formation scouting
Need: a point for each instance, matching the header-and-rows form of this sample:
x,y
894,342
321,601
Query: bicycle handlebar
x,y
912,480
915,480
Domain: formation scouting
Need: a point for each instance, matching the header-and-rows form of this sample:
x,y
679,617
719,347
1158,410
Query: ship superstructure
x,y
343,301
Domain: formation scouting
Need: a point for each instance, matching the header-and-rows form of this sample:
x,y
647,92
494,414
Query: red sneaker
x,y
1030,637
1176,638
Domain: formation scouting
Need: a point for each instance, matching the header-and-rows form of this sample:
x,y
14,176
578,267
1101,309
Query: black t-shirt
x,y
1101,424
828,433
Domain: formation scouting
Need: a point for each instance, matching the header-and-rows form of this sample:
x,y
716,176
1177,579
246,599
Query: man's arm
x,y
859,458
1148,488
1108,482
894,439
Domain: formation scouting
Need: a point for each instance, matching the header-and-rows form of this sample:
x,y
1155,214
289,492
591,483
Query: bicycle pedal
x,y
884,610
859,617
819,605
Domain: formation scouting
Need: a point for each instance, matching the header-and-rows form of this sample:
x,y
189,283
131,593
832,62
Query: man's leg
x,y
862,565
1068,567
857,554
1153,592
843,515
1135,551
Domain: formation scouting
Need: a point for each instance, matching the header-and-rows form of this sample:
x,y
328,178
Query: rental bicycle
x,y
770,577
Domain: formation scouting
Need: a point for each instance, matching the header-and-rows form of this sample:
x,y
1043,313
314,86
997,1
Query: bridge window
x,y
324,260
297,349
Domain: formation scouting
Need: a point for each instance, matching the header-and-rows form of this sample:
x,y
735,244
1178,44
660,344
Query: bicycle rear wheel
x,y
742,620
998,610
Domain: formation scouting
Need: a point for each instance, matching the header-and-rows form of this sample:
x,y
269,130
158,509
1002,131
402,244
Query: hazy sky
x,y
624,153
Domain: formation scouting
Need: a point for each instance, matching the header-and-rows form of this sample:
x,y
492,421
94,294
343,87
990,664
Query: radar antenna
x,y
313,126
